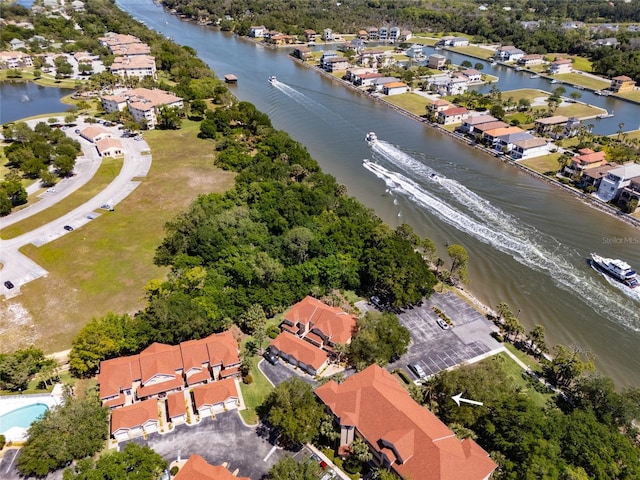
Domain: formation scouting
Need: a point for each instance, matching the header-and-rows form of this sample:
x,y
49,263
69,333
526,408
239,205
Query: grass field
x,y
513,371
424,41
633,95
528,93
543,164
255,393
579,63
411,102
104,265
584,80
108,170
473,51
45,80
578,110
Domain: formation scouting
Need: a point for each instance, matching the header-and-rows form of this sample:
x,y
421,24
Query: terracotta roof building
x,y
216,397
143,103
197,468
402,435
109,147
95,133
300,353
133,420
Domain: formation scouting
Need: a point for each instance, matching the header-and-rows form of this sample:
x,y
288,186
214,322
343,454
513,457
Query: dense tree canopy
x,y
293,411
379,338
19,367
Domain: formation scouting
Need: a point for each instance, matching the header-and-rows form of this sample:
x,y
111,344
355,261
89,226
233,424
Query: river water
x,y
528,241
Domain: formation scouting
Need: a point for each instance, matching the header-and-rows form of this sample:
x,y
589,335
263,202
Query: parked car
x,y
443,325
9,285
270,356
418,370
68,228
376,302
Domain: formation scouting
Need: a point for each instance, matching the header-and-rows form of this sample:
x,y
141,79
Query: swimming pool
x,y
21,417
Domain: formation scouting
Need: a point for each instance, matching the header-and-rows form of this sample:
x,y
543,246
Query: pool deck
x,y
13,402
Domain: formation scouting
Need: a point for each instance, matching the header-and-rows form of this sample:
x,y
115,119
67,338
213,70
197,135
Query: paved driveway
x,y
225,439
436,349
282,372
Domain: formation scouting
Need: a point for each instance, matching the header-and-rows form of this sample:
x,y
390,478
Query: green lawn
x,y
255,393
633,134
584,80
521,117
633,95
104,265
578,110
108,170
423,41
579,63
416,104
45,80
543,164
528,93
476,52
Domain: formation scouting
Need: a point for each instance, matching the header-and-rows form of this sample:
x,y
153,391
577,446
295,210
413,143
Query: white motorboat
x,y
272,79
617,269
534,76
371,137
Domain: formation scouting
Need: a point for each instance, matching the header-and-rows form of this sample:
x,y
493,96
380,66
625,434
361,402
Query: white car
x,y
443,325
418,370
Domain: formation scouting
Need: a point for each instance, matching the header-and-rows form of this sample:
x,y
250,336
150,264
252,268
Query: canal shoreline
x,y
584,197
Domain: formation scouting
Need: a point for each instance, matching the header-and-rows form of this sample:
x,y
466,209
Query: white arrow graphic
x,y
458,398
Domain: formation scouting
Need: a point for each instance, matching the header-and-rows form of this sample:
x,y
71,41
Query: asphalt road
x,y
17,267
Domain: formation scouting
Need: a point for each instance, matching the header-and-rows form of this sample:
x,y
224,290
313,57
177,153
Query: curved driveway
x,y
18,268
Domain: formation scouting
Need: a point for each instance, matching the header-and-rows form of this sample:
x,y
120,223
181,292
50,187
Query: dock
x,y
229,78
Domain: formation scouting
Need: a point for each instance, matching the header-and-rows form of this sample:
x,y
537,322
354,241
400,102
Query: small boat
x,y
534,76
617,269
494,63
554,81
519,69
273,79
371,137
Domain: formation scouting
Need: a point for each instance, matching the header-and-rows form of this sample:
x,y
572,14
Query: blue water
x,y
25,99
22,417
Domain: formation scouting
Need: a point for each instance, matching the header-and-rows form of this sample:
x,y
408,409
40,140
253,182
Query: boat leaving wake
x,y
455,204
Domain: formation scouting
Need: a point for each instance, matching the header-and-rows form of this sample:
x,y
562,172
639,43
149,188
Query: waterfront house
x,y
379,83
401,434
299,353
280,39
533,147
550,126
629,193
478,130
531,59
586,159
621,84
395,88
439,105
383,34
362,35
144,104
176,408
437,61
327,35
372,33
469,124
452,116
134,420
353,74
303,53
616,180
394,34
509,54
457,85
593,176
216,397
561,65
197,468
490,137
310,35
257,31
11,60
472,75
504,143
335,64
367,79
445,41
572,25
459,42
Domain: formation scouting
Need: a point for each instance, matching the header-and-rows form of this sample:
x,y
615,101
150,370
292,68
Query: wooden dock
x,y
229,78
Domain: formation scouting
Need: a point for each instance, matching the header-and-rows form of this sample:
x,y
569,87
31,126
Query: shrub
x,y
273,331
403,375
3,440
174,470
248,379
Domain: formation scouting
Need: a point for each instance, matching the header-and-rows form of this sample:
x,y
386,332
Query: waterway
x,y
25,99
528,241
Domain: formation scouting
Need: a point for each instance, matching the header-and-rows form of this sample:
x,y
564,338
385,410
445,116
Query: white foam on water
x,y
509,235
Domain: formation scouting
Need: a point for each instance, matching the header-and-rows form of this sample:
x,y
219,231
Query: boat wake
x,y
633,293
453,203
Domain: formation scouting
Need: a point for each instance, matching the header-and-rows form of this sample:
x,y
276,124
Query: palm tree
x,y
620,127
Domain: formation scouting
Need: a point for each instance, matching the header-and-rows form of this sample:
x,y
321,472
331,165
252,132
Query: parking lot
x,y
225,439
436,349
282,371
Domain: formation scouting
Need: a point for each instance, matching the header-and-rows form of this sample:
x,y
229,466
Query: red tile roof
x,y
452,112
159,359
216,392
227,372
222,348
300,350
133,416
107,144
587,158
198,376
417,443
197,468
176,404
333,322
155,388
115,402
118,374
